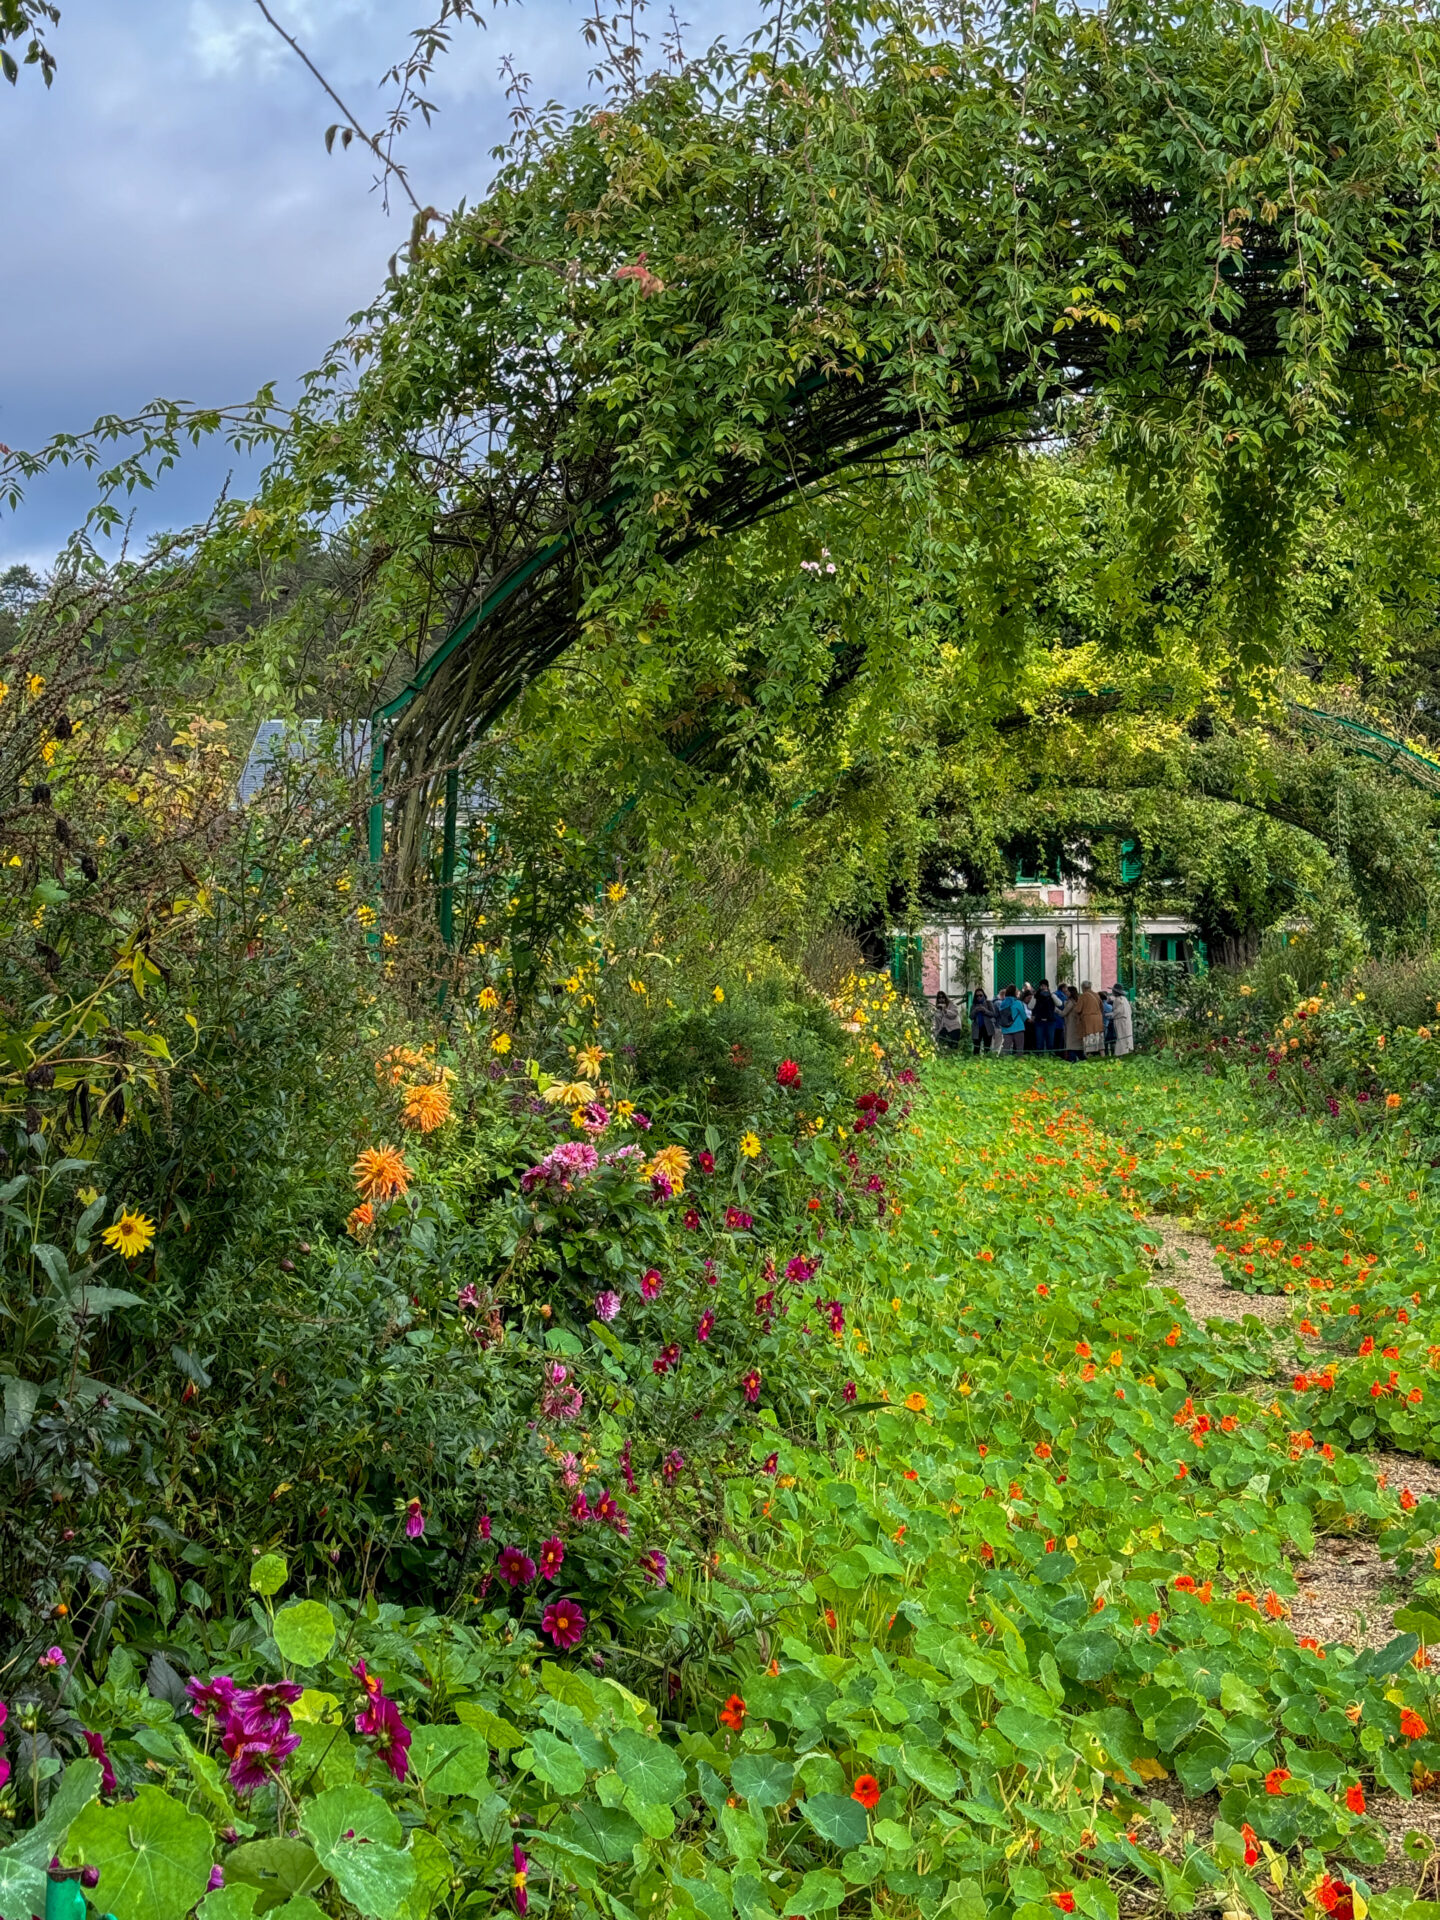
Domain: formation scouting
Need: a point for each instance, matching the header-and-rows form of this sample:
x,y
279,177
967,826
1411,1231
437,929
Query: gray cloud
x,y
175,226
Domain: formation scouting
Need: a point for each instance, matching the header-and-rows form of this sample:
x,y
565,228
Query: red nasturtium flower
x,y
1252,1845
1355,1797
732,1714
1064,1901
1411,1725
866,1790
1275,1779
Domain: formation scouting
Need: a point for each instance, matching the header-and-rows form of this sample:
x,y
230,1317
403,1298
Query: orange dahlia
x,y
425,1108
381,1174
361,1220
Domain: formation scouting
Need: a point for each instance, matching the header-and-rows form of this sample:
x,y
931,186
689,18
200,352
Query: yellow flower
x,y
674,1163
624,1109
35,685
425,1108
588,1061
638,986
381,1174
366,914
487,999
502,1043
616,891
895,1305
568,1093
132,1233
916,1402
750,1145
343,884
4,688
717,994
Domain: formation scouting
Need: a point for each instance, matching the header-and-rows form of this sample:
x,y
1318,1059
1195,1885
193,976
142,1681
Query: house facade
x,y
1044,930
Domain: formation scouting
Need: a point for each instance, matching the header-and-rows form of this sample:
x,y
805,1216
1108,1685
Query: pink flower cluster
x,y
559,1402
607,1510
254,1725
562,1167
379,1719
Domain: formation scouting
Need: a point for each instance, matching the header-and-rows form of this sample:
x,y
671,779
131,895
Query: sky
x,y
174,225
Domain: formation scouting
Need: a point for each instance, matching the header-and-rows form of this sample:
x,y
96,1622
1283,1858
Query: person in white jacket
x,y
1123,1018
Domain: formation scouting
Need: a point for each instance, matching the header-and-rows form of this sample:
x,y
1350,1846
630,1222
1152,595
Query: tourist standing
x,y
1092,1020
947,1021
982,1020
1124,1018
1044,1015
1074,1034
1012,1022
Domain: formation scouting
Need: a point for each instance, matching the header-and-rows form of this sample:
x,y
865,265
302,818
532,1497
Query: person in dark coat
x,y
982,1021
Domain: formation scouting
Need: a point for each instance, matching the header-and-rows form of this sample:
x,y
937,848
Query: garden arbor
x,y
880,240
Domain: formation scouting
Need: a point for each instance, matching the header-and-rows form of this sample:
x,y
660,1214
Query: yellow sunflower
x,y
130,1235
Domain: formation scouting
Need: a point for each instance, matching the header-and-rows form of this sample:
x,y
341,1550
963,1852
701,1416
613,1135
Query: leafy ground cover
x,y
964,1622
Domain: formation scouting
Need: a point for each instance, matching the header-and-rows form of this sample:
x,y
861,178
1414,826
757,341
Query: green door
x,y
1019,957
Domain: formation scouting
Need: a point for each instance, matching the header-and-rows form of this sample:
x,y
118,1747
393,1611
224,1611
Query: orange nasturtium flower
x,y
732,1714
866,1790
916,1402
1275,1780
425,1108
381,1174
1411,1725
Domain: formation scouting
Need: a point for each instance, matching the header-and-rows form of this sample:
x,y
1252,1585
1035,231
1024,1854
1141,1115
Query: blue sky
x,y
175,227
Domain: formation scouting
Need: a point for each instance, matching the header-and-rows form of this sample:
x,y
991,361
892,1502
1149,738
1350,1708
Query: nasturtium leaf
x,y
39,1844
154,1857
23,1885
606,1833
762,1779
1029,1731
1177,1722
356,1837
554,1761
304,1632
302,1907
711,1896
433,1869
839,1820
656,1817
269,1574
929,1769
234,1901
280,1868
1085,1655
450,1759
817,1892
650,1770
498,1733
326,1756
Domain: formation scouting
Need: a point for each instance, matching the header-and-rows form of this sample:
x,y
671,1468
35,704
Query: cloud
x,y
175,226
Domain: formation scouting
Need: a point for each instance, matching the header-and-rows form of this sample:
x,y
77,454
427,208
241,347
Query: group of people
x,y
1036,1020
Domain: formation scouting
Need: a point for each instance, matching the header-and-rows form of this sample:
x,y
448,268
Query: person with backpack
x,y
1011,1011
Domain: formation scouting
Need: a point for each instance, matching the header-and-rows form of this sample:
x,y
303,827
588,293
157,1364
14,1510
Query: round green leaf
x,y
154,1857
304,1631
280,1868
269,1574
762,1779
837,1819
233,1902
356,1837
554,1761
649,1770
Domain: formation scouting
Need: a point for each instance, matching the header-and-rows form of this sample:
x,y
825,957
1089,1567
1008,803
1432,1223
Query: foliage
x,y
1053,1536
